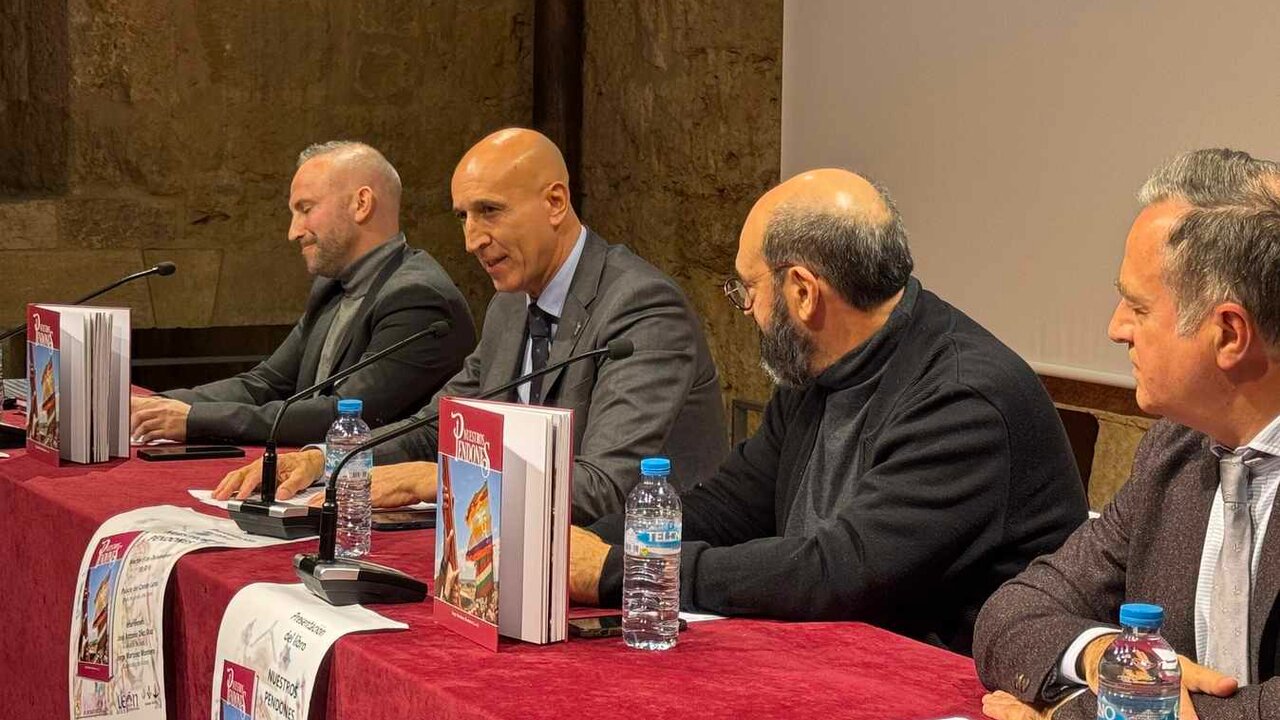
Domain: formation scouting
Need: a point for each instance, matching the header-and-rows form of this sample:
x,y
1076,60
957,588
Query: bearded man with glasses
x,y
906,466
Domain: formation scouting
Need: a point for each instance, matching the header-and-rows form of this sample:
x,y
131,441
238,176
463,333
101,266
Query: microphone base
x,y
12,437
350,582
287,522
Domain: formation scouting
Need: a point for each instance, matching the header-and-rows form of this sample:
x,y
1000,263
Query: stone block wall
x,y
133,131
681,133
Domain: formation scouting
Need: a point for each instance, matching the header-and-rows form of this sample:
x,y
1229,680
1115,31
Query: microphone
x,y
347,582
263,516
164,268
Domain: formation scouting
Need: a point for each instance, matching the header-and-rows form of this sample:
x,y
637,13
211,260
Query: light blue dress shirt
x,y
552,301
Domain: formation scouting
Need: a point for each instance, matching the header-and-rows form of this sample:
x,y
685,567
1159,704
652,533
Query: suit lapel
x,y
321,306
509,312
1183,551
574,315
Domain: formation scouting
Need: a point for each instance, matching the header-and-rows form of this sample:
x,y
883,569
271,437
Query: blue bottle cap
x,y
1141,615
655,466
350,405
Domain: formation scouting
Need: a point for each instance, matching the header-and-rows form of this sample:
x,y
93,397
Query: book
x,y
77,383
502,521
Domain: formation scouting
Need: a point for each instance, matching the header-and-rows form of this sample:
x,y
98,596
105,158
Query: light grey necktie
x,y
1227,648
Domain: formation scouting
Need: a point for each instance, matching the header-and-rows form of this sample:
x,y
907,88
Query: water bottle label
x,y
1134,709
658,538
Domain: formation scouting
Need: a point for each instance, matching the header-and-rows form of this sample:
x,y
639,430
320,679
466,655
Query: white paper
x,y
302,498
699,617
271,643
116,665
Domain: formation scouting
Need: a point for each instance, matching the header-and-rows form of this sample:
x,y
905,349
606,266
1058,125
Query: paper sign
x,y
271,644
117,620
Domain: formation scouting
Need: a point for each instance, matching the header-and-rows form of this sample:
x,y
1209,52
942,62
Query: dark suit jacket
x,y
410,292
962,476
664,399
1145,547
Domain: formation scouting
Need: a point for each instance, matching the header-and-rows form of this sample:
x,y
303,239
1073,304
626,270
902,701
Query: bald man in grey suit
x,y
510,193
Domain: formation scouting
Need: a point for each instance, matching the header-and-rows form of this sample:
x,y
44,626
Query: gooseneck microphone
x,y
164,268
263,516
346,581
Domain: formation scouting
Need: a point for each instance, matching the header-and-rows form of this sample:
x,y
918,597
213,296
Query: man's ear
x,y
802,292
557,200
1235,336
362,204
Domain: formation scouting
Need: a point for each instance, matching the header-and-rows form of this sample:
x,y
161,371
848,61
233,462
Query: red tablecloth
x,y
729,668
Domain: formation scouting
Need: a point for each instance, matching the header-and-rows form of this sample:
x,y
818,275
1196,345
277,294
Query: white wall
x,y
1014,135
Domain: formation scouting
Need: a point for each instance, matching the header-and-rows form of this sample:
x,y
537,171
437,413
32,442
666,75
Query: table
x,y
736,668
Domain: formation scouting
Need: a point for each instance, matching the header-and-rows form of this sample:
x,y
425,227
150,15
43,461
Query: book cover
x,y
44,428
468,520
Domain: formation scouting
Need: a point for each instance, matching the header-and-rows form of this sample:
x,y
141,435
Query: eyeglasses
x,y
739,291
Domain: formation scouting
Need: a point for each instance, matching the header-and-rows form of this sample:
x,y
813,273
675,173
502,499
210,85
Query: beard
x,y
329,257
785,351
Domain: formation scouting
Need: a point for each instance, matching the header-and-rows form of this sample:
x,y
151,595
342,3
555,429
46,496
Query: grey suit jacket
x,y
1145,547
664,399
410,292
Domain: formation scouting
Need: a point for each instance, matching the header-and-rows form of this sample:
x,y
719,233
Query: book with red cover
x,y
502,520
44,427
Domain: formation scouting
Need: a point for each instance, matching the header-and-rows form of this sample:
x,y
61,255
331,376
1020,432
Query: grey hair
x,y
865,259
1226,248
355,151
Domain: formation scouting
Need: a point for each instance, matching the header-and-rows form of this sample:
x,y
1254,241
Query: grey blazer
x,y
410,292
664,399
1145,548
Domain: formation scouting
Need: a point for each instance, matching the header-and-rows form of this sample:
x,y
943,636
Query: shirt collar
x,y
358,276
553,296
1265,443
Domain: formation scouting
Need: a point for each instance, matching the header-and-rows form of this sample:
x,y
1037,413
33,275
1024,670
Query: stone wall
x,y
681,133
181,120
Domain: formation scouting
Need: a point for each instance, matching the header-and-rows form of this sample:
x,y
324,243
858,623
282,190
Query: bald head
x,y
520,155
511,192
841,225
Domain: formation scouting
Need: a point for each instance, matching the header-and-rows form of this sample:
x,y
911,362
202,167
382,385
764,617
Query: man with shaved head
x,y
371,291
561,290
908,462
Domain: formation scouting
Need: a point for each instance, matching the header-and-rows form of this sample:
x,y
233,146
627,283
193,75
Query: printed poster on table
x,y
117,619
271,643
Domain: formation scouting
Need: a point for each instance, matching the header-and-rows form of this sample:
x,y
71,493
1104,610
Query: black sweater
x,y
901,487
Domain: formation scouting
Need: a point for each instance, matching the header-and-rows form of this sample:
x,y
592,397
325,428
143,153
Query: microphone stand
x,y
346,581
15,437
267,517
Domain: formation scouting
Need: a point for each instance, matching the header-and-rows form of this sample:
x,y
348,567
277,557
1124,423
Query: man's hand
x,y
397,485
1196,678
294,471
1000,705
157,418
587,553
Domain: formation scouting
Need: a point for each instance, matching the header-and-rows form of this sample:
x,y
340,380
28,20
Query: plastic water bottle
x,y
354,512
651,564
1139,677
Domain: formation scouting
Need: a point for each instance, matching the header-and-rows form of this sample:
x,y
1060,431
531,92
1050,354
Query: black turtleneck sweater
x,y
900,487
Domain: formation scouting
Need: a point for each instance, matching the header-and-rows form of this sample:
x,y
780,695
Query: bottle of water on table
x,y
1139,677
346,433
651,564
